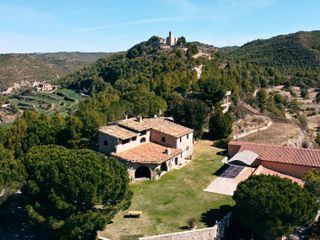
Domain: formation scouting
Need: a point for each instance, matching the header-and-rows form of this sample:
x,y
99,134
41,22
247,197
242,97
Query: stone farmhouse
x,y
149,147
289,162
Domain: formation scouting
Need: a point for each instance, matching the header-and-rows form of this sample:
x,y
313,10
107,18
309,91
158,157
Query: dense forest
x,y
301,49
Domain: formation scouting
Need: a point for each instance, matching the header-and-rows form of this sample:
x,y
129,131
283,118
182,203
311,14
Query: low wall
x,y
213,233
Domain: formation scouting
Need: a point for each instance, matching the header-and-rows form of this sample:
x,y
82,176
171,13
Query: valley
x,y
123,145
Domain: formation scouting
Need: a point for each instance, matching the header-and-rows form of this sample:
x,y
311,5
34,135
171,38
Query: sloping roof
x,y
266,171
135,124
148,153
281,154
118,132
159,124
168,127
246,157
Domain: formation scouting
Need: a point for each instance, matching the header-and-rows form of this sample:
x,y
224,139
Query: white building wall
x,y
185,143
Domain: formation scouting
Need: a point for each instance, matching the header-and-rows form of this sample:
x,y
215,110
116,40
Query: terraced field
x,y
61,100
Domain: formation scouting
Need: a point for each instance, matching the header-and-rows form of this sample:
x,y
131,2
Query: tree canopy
x,y
272,206
64,187
220,124
312,182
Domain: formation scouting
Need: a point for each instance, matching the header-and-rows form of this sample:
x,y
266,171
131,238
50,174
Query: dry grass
x,y
278,133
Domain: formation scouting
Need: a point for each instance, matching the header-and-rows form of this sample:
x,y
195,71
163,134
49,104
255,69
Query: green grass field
x,y
169,202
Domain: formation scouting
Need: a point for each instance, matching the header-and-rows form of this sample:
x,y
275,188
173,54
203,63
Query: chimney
x,y
139,118
167,151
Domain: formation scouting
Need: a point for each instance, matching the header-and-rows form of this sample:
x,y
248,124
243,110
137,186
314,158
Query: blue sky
x,y
113,25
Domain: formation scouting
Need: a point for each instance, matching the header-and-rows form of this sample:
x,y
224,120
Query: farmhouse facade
x,y
291,161
148,147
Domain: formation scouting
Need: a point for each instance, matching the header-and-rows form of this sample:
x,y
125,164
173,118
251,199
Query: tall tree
x,y
272,206
220,124
63,187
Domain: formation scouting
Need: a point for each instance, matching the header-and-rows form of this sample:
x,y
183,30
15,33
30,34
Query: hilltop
x,y
16,68
301,49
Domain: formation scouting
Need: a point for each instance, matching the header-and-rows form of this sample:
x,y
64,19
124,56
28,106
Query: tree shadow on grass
x,y
210,217
14,223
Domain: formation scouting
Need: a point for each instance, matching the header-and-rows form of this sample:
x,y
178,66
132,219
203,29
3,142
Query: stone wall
x,y
115,146
216,232
157,136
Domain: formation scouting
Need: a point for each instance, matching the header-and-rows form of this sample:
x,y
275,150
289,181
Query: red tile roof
x,y
148,153
266,171
289,155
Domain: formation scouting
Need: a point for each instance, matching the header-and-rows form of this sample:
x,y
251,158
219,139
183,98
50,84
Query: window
x,y
187,136
163,139
181,139
187,148
176,161
125,141
142,140
144,132
134,138
105,142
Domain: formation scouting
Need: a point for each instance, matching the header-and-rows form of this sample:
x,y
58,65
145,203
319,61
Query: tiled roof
x,y
266,171
148,153
159,124
118,132
165,126
289,155
135,124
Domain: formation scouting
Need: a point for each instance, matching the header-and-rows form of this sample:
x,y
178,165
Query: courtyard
x,y
169,202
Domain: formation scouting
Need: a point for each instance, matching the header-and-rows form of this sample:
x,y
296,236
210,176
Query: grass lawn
x,y
173,199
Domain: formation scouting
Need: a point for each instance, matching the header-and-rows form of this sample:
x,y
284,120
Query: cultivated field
x,y
168,203
61,100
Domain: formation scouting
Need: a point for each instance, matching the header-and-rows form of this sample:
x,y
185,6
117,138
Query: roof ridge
x,y
274,145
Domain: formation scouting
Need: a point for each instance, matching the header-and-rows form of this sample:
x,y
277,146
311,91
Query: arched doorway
x,y
142,140
142,172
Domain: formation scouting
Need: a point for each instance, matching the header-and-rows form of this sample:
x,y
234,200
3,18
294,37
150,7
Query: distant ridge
x,y
297,49
16,67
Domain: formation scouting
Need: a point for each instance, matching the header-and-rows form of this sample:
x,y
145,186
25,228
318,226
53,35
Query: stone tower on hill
x,y
171,41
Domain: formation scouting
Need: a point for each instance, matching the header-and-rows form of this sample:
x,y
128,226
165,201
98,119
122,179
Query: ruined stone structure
x,y
226,102
148,147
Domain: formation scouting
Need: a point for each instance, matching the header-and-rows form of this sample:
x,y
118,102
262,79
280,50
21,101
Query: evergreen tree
x,y
272,206
63,187
220,124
